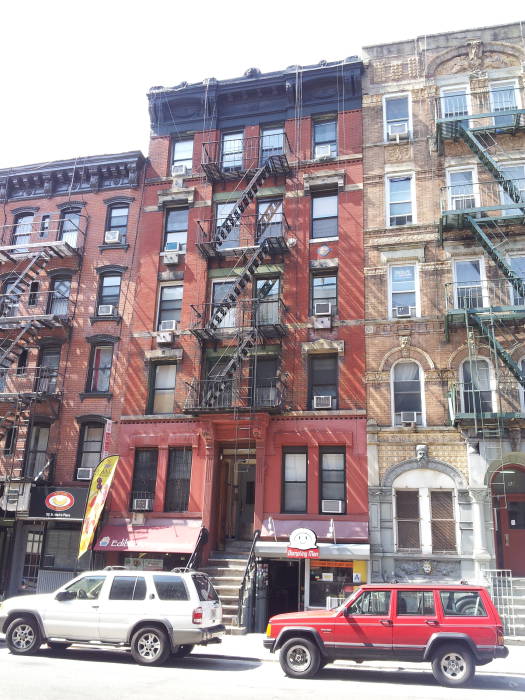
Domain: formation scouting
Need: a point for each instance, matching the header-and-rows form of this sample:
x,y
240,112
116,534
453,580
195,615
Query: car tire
x,y
150,646
453,665
182,650
23,636
300,658
58,646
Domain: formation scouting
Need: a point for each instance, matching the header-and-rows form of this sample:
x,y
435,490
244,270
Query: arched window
x,y
476,389
406,390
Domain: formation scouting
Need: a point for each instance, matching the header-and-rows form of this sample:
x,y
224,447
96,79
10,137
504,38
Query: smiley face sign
x,y
303,544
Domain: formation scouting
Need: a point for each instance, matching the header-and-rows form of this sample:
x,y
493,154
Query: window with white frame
x,y
403,293
468,287
517,264
324,216
176,232
400,202
182,157
455,103
476,394
170,305
232,151
407,395
516,174
461,192
294,480
233,238
325,139
504,97
162,397
397,117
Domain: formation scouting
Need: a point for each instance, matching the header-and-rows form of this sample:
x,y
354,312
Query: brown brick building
x,y
444,163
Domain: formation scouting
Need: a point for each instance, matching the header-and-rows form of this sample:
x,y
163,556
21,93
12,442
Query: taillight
x,y
501,636
196,616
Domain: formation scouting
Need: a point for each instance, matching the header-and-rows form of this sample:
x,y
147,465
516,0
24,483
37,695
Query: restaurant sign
x,y
302,544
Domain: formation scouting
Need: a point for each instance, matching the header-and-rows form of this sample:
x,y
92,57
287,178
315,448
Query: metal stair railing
x,y
488,333
246,606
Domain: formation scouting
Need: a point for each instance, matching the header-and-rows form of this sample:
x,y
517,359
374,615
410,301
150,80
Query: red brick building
x,y
67,289
244,407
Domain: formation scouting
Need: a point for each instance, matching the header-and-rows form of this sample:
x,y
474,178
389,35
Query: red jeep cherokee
x,y
455,627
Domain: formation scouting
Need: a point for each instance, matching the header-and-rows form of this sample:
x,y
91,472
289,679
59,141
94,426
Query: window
x,y
144,473
443,524
128,588
272,227
90,445
36,456
294,481
516,173
47,371
517,264
178,480
22,229
268,311
182,157
21,364
324,289
109,290
32,560
10,298
407,521
118,220
477,393
455,103
233,237
219,291
324,216
88,587
371,603
333,477
59,296
70,227
204,586
32,299
462,604
264,382
9,441
170,304
44,225
176,230
323,381
232,151
61,547
170,588
325,139
163,399
415,603
397,118
461,193
407,393
468,286
100,369
504,97
403,291
272,142
219,391
400,200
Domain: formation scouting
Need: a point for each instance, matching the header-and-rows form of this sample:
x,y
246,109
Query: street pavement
x,y
238,668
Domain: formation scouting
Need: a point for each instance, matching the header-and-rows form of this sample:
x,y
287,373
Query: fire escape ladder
x,y
247,342
28,273
487,332
11,348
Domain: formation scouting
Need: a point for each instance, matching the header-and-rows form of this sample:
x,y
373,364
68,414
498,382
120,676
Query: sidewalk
x,y
250,646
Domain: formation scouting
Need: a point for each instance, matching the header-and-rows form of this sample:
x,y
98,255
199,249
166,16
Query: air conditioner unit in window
x,y
164,338
106,310
408,417
84,474
172,246
322,308
113,236
171,259
168,325
322,150
177,170
398,132
141,504
332,506
403,311
322,402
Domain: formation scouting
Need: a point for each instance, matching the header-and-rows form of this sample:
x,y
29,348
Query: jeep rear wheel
x,y
453,665
150,646
23,636
300,658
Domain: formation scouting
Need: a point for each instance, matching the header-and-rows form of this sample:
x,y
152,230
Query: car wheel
x,y
183,650
453,665
58,646
23,636
150,646
300,658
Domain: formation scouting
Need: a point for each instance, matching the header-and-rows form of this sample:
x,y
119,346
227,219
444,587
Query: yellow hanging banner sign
x,y
98,491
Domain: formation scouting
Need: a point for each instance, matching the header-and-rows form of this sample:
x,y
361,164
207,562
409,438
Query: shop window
x,y
294,481
60,548
178,480
330,582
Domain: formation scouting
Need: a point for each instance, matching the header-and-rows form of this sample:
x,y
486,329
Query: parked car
x,y
154,613
454,627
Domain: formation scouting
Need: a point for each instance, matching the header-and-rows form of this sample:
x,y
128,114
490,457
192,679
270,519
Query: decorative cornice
x,y
71,204
117,199
92,418
117,269
396,470
102,338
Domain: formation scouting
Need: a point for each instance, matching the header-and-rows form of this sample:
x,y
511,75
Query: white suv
x,y
155,613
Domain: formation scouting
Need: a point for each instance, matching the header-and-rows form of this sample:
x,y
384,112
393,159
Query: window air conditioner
x,y
408,417
398,132
164,338
403,311
168,325
323,150
333,506
106,310
322,402
322,308
84,474
142,504
112,236
177,170
172,247
171,259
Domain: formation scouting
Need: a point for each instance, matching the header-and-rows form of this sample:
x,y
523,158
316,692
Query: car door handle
x,y
387,623
95,606
431,622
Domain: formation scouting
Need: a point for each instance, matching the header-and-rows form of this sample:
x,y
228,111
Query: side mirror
x,y
65,595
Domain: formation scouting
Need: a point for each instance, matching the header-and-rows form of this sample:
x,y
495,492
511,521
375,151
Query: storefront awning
x,y
173,536
339,552
334,530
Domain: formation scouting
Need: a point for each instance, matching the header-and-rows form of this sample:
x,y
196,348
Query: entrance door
x,y
508,488
246,490
284,587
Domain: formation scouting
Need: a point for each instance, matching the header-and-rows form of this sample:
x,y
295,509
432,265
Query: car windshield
x,y
348,600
